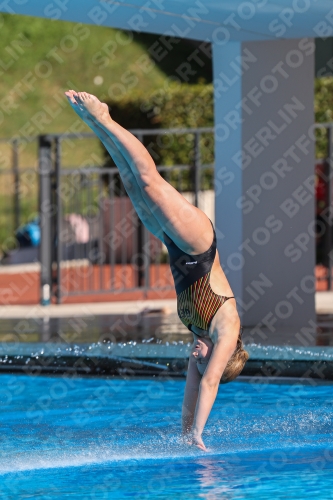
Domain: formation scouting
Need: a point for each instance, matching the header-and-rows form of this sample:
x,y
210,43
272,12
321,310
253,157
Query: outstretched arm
x,y
209,385
191,395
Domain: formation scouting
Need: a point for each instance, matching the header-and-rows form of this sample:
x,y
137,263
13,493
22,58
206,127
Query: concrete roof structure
x,y
214,20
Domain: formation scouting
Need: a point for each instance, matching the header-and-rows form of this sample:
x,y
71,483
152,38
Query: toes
x,y
73,99
70,98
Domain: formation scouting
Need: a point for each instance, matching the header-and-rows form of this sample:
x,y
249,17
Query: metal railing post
x,y
16,183
58,200
196,168
45,214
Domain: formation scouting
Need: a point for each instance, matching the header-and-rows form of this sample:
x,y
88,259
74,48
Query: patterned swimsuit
x,y
197,304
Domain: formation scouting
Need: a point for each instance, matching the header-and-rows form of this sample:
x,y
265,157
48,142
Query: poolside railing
x,y
92,242
93,223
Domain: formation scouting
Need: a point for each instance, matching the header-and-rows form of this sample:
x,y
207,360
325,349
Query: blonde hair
x,y
235,364
237,361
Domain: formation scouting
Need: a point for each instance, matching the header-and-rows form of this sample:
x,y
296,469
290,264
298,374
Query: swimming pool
x,y
90,438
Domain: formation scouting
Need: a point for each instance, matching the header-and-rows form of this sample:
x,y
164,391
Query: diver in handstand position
x,y
201,285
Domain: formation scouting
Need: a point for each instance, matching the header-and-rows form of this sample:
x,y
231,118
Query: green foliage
x,y
39,60
191,106
59,54
323,112
176,106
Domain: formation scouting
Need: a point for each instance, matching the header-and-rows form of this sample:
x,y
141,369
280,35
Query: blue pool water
x,y
115,439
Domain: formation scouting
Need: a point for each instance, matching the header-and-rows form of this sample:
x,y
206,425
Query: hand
x,y
200,350
198,442
193,439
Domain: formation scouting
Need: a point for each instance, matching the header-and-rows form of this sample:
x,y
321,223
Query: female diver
x,y
201,285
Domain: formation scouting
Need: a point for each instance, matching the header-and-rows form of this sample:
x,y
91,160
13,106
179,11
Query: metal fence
x,y
92,240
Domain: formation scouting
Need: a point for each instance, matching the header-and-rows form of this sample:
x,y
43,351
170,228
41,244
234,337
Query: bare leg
x,y
126,173
188,226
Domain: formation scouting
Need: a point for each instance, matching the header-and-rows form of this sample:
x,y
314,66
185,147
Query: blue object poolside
x,y
116,439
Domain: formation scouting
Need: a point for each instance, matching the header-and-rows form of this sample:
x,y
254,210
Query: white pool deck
x,y
323,301
89,309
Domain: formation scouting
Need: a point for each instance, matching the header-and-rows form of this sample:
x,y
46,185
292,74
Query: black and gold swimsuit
x,y
197,304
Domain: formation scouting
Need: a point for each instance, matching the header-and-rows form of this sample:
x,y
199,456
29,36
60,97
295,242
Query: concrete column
x,y
264,180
